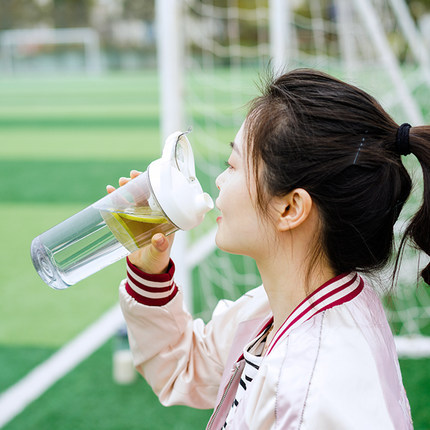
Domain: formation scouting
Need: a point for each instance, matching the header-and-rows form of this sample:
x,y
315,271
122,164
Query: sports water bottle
x,y
165,198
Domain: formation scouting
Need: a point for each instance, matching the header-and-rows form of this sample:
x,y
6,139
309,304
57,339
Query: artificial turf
x,y
62,140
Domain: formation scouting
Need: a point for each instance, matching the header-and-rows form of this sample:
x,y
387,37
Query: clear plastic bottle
x,y
165,198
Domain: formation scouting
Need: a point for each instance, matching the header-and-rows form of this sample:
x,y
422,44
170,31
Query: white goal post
x,y
209,60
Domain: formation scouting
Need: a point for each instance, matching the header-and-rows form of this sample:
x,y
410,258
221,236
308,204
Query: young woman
x,y
313,187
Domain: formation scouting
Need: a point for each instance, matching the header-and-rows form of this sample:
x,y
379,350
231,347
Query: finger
x,y
110,189
134,174
122,181
160,242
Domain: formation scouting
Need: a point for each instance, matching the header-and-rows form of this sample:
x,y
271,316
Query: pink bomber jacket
x,y
332,365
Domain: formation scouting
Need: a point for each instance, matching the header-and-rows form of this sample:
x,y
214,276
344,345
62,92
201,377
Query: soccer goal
x,y
210,55
35,49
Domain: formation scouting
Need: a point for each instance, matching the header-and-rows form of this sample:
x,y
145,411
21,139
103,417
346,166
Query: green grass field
x,y
61,141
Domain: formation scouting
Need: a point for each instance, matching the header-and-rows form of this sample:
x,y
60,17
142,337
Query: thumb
x,y
155,257
160,242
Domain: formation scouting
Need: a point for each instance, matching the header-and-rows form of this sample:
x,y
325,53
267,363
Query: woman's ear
x,y
293,209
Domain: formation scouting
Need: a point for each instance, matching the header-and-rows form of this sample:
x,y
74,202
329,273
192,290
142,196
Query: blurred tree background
x,y
82,13
124,26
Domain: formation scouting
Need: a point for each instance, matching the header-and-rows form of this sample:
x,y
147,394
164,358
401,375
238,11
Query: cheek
x,y
229,189
240,215
237,203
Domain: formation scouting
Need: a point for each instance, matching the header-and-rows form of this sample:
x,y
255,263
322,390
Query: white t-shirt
x,y
253,355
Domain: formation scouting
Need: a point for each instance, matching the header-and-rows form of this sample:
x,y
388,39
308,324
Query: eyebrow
x,y
234,147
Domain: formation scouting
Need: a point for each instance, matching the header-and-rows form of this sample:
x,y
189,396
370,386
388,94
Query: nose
x,y
218,181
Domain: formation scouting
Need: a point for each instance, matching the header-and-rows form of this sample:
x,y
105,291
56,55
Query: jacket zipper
x,y
227,388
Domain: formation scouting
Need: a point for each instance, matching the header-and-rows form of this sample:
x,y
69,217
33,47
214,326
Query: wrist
x,y
151,289
154,269
150,260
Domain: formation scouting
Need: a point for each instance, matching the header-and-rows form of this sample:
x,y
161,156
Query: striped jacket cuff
x,y
151,290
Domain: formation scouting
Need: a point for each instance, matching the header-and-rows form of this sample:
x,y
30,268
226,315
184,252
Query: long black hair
x,y
310,130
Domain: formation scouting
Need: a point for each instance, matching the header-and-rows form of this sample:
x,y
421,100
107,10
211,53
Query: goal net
x,y
227,44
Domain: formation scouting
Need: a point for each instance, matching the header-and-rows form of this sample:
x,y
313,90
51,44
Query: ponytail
x,y
418,230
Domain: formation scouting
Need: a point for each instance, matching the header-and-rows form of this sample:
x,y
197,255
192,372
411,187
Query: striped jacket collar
x,y
338,290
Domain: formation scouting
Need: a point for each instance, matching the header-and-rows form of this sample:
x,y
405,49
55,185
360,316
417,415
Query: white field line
x,y
413,346
201,249
34,384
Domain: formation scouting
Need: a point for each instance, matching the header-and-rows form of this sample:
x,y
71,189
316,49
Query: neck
x,y
287,281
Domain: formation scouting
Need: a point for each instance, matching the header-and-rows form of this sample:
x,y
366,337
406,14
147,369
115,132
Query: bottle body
x,y
99,235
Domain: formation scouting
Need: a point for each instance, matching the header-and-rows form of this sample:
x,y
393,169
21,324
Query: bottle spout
x,y
203,203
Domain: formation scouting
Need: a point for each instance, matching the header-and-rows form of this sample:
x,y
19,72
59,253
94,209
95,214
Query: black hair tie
x,y
402,139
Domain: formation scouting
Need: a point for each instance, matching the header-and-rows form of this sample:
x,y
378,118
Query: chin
x,y
218,241
225,246
221,244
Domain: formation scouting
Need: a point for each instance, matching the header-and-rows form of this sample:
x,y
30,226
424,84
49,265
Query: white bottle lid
x,y
175,186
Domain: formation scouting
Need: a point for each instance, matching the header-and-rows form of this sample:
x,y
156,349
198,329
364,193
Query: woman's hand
x,y
153,258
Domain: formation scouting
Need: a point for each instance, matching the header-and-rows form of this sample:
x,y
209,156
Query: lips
x,y
219,210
